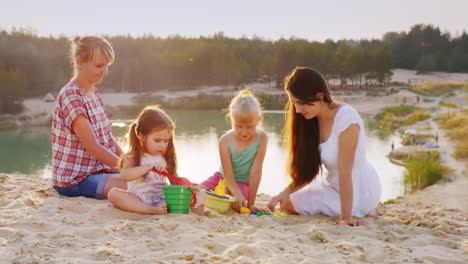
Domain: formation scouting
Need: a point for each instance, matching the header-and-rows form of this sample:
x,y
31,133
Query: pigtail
x,y
171,157
134,147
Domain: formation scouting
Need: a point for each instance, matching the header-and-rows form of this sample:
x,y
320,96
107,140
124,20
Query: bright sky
x,y
272,19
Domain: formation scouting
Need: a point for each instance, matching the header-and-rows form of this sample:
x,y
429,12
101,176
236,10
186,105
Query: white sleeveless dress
x,y
149,187
322,195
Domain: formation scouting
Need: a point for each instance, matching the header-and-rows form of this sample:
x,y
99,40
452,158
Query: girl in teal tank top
x,y
242,151
242,162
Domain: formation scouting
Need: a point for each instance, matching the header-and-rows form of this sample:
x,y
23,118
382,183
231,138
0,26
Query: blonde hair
x,y
150,119
90,48
244,108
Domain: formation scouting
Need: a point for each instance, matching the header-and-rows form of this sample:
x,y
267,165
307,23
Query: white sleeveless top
x,y
322,196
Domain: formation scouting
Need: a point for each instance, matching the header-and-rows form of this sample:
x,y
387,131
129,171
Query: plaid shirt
x,y
70,161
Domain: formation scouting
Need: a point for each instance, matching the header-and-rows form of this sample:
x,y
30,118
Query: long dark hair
x,y
151,118
303,135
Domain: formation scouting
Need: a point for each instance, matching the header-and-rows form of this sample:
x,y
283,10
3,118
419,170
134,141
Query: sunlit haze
x,y
312,20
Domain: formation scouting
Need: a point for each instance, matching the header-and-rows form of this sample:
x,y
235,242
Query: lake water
x,y
28,150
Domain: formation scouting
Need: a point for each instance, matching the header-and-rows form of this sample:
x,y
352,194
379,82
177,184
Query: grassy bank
x,y
423,167
438,88
7,124
456,126
421,173
447,104
395,117
202,101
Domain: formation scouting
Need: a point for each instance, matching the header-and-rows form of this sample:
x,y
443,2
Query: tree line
x,y
31,65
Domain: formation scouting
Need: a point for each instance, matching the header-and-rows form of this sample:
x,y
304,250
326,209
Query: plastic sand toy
x,y
219,189
260,213
279,213
245,210
175,180
219,203
179,198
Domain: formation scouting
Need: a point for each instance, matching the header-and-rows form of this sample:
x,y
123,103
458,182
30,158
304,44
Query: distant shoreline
x,y
37,112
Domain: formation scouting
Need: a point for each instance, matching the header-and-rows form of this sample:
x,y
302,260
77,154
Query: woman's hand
x,y
281,198
352,222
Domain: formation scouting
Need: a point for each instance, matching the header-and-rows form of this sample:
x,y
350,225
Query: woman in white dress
x,y
321,131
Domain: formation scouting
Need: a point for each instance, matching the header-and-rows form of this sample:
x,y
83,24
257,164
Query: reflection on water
x,y
28,150
25,151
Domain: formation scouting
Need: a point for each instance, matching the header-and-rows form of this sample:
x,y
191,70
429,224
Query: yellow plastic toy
x,y
244,210
219,189
221,205
279,213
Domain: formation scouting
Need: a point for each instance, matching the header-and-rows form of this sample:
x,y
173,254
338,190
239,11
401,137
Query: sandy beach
x,y
427,226
38,226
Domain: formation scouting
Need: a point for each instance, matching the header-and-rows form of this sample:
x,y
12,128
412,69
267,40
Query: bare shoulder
x,y
263,136
224,142
224,139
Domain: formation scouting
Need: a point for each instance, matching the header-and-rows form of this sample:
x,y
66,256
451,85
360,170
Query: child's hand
x,y
156,166
240,200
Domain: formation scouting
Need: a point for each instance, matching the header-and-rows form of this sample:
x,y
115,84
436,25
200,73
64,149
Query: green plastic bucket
x,y
178,198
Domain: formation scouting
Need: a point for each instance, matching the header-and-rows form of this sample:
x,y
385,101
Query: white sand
x,y
401,75
38,226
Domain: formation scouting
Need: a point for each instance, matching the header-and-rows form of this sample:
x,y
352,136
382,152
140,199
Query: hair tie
x,y
136,123
245,92
76,39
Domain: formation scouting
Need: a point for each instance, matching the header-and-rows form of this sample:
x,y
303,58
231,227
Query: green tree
x,y
12,90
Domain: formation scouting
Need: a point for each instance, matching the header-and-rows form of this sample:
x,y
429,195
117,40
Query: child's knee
x,y
114,195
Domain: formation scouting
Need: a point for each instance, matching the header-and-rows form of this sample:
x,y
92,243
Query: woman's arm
x,y
228,172
348,141
283,197
118,149
256,170
82,128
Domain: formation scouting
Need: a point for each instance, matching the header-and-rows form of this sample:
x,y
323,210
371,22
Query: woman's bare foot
x,y
374,213
199,210
353,222
159,210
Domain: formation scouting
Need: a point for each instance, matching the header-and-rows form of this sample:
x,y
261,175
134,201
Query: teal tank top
x,y
242,162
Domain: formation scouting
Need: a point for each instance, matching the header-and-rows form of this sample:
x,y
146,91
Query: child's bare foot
x,y
199,210
374,213
160,210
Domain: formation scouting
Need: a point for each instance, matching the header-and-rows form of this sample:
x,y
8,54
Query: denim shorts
x,y
91,187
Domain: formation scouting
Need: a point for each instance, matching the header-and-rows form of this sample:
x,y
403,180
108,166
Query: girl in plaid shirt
x,y
84,152
151,145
